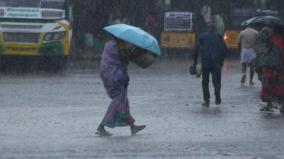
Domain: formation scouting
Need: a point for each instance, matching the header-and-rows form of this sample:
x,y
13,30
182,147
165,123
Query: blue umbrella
x,y
135,36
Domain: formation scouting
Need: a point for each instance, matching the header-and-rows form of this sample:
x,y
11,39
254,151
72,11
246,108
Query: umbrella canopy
x,y
135,36
264,20
248,22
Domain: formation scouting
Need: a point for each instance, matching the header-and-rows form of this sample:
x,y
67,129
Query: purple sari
x,y
113,72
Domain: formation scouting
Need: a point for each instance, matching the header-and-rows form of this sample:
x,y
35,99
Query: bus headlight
x,y
55,36
48,37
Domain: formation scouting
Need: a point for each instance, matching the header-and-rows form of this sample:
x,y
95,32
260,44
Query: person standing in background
x,y
206,13
150,25
219,23
246,41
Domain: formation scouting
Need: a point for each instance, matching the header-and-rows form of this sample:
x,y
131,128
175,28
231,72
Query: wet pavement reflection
x,y
55,116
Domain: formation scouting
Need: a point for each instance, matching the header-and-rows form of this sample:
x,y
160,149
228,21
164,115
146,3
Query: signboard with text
x,y
178,21
31,13
11,12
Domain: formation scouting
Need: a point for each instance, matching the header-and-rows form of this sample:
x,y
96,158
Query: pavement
x,y
54,116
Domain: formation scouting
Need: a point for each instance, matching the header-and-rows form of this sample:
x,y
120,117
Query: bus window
x,y
35,28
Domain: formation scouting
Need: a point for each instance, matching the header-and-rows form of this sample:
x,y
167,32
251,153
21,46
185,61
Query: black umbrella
x,y
264,20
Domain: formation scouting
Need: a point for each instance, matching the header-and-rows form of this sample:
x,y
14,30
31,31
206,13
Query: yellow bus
x,y
35,29
234,13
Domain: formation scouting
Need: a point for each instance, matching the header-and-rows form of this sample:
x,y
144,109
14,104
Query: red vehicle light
x,y
226,37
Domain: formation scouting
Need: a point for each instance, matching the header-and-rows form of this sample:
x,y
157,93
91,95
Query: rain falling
x,y
141,79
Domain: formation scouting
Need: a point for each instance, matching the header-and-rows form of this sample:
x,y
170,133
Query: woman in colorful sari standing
x,y
273,75
113,71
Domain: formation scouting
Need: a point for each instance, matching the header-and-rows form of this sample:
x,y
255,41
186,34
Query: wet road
x,y
55,116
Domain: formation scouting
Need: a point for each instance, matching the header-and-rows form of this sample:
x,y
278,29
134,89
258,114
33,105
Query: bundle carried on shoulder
x,y
268,59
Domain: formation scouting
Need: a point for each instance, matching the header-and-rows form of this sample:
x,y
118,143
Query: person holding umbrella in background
x,y
269,61
125,47
272,79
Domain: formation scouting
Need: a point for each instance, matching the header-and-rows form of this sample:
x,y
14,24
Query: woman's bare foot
x,y
282,109
101,131
268,107
135,128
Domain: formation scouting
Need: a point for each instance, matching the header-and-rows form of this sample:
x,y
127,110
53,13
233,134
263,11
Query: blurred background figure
x,y
206,13
213,50
246,42
151,24
272,70
219,22
115,17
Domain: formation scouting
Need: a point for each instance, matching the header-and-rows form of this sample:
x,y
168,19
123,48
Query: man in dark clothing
x,y
213,50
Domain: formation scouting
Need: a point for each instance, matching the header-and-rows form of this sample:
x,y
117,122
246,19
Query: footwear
x,y
218,101
205,104
135,129
282,110
243,80
101,131
266,109
251,83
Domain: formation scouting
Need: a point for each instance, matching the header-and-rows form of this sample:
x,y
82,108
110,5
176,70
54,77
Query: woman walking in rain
x,y
113,71
273,74
270,67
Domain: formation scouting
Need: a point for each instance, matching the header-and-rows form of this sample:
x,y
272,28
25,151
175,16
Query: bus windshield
x,y
54,4
51,4
33,9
